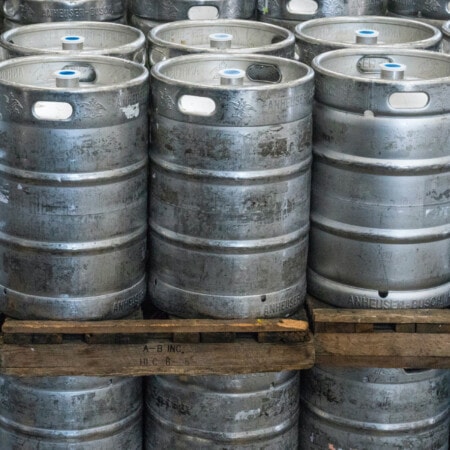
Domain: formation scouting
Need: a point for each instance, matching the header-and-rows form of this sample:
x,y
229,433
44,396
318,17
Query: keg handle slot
x,y
264,73
194,105
303,7
203,12
51,110
408,100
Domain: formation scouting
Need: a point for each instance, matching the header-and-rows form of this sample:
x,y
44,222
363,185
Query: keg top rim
x,y
446,28
139,77
157,71
154,35
319,68
301,30
73,27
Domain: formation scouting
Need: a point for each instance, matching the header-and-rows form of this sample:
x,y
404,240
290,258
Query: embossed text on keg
x,y
77,13
279,308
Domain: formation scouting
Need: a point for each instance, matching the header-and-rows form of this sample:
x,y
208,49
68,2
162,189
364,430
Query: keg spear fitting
x,y
368,37
72,42
220,40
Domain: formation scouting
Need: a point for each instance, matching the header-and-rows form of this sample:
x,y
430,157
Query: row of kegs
x,y
221,192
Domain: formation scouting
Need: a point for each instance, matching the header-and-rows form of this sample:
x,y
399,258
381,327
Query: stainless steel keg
x,y
93,38
301,10
403,7
172,10
434,9
321,35
229,192
374,409
218,36
446,40
38,11
143,24
73,182
380,219
239,412
77,413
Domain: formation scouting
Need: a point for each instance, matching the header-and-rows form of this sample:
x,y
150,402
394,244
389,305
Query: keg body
x,y
93,38
190,37
241,412
374,408
229,196
39,11
380,209
332,33
403,7
436,9
172,10
446,37
73,237
80,413
303,10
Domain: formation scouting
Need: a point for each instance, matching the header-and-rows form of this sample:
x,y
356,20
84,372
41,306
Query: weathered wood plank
x,y
154,357
154,326
407,350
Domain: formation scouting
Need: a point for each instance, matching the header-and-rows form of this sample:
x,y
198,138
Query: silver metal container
x,y
446,40
403,7
229,194
92,38
73,182
434,9
218,36
76,413
380,216
288,24
419,18
239,412
38,11
374,409
172,10
301,10
332,33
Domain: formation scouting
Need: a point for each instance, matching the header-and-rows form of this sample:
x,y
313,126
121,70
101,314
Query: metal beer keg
x,y
218,36
332,33
239,412
93,38
76,413
73,177
229,193
380,212
374,409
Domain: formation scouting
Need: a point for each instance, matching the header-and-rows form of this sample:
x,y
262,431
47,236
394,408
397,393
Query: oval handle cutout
x,y
308,7
264,73
196,106
203,13
408,100
52,110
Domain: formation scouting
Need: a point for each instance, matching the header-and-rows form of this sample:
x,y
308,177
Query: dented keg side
x,y
300,11
39,11
172,10
229,195
74,187
218,36
380,205
374,409
241,412
82,413
321,35
93,38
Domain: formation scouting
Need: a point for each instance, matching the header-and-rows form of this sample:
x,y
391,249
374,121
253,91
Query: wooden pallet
x,y
380,338
149,347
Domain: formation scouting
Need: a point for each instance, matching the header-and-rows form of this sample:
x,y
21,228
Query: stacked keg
x,y
147,14
229,203
446,39
73,234
288,13
435,12
24,12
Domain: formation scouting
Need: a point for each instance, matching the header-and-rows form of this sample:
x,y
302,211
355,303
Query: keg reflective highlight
x,y
80,413
241,412
374,409
94,38
229,193
74,187
332,33
219,36
380,231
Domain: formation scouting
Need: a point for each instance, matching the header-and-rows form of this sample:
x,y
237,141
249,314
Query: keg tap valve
x,y
67,78
72,42
392,71
220,40
367,37
232,77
